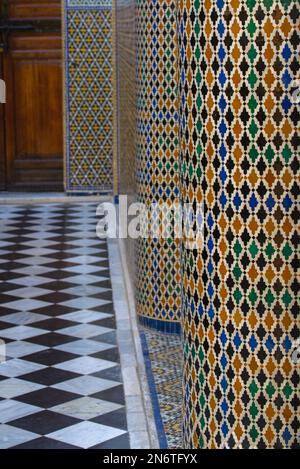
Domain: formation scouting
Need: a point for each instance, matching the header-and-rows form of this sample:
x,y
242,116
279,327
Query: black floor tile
x,y
113,419
120,442
49,376
113,373
52,339
53,324
47,397
115,394
110,354
50,357
55,310
108,338
45,443
44,422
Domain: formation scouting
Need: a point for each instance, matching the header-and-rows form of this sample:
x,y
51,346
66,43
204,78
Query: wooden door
x,y
32,122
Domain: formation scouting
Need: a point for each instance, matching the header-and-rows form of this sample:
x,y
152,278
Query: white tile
x,y
84,347
36,261
85,259
40,243
86,385
84,242
21,332
85,279
31,281
13,436
86,434
29,292
84,269
84,365
20,348
12,410
17,367
84,315
85,302
86,408
26,304
42,234
84,250
37,251
85,290
84,331
34,270
10,388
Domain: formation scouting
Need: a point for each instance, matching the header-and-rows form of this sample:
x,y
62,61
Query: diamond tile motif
x,y
86,408
50,381
86,434
11,436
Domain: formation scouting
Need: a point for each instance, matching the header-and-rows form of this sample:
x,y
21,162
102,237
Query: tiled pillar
x,y
238,141
88,91
158,260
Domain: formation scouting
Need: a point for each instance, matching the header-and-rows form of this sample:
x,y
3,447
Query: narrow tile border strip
x,y
141,423
16,198
155,402
166,327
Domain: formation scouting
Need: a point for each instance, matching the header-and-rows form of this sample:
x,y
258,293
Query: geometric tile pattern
x,y
238,155
61,385
163,359
157,160
88,97
126,108
126,93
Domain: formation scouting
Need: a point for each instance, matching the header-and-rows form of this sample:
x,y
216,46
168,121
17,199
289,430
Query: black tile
x,y
53,324
56,297
57,285
45,443
108,338
107,322
115,419
44,422
113,373
115,395
104,295
12,266
47,397
102,284
104,263
52,339
50,357
6,287
107,308
59,275
5,325
54,310
6,298
49,376
110,354
6,276
120,442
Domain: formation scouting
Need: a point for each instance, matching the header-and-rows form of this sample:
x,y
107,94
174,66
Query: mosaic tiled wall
x,y
126,105
88,95
238,154
157,172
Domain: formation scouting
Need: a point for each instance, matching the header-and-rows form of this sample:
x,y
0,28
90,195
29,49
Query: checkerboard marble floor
x,y
61,384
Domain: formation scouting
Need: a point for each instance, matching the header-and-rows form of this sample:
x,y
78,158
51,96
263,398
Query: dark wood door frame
x,y
36,31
